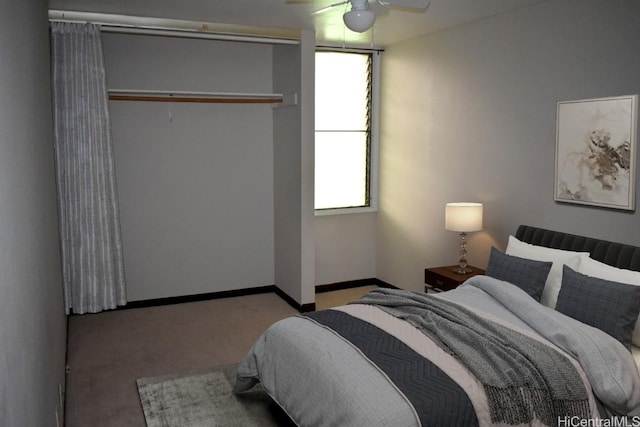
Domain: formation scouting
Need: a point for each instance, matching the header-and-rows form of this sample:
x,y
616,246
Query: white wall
x,y
195,180
294,71
32,320
469,115
345,247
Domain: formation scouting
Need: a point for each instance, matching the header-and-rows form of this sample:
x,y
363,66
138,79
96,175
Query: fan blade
x,y
326,8
377,8
406,4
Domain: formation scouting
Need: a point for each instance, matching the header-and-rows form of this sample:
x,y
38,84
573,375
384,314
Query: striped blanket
x,y
523,377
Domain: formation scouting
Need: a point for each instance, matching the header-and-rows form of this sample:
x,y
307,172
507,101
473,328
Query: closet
x,y
214,164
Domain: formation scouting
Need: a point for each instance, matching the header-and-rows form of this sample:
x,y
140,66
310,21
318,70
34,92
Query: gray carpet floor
x,y
107,352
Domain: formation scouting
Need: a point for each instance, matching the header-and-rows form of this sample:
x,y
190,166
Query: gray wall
x,y
32,320
469,114
195,180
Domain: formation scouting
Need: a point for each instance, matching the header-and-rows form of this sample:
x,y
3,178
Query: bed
x,y
546,337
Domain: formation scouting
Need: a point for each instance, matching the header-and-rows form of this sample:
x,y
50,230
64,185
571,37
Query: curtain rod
x,y
194,35
127,24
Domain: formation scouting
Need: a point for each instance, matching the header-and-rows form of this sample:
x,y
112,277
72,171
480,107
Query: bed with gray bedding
x,y
486,353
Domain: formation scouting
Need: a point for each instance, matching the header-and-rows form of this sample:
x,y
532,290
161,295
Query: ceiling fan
x,y
363,12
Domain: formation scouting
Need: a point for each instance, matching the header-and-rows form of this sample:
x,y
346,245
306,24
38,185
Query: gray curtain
x,y
91,244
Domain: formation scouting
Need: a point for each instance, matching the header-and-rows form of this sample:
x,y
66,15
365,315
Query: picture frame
x,y
596,143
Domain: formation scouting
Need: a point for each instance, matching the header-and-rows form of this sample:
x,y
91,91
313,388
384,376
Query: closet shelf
x,y
201,97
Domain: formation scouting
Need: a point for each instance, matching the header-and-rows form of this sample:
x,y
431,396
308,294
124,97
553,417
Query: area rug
x,y
205,399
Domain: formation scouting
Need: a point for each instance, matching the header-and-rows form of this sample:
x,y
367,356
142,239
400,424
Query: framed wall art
x,y
596,152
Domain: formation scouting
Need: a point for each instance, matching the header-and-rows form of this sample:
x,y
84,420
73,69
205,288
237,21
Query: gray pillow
x,y
609,306
529,275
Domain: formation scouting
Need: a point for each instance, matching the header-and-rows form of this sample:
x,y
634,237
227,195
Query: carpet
x,y
205,399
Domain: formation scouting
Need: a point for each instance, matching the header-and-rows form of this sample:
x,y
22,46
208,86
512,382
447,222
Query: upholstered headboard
x,y
616,254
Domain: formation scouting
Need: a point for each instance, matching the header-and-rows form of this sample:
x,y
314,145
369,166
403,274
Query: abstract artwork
x,y
596,152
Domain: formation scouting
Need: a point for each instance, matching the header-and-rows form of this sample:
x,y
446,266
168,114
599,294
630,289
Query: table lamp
x,y
463,217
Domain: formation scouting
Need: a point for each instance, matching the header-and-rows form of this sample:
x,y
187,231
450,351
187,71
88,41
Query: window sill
x,y
343,211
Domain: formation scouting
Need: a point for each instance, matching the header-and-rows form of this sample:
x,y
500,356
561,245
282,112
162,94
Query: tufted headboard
x,y
616,254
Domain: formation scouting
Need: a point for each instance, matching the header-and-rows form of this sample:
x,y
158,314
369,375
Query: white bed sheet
x,y
635,352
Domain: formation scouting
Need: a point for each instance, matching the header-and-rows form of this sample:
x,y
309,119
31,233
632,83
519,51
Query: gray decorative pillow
x,y
612,307
527,274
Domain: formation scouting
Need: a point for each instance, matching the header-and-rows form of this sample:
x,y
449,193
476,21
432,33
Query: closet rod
x,y
194,99
200,97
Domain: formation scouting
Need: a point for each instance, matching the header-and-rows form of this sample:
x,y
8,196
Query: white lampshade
x,y
359,20
463,217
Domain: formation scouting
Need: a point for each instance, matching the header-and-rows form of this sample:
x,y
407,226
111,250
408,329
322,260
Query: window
x,y
343,135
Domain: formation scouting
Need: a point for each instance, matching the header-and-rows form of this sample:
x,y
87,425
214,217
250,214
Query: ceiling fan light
x,y
359,20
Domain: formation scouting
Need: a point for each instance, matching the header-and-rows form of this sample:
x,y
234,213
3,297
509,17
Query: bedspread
x,y
323,372
522,377
608,365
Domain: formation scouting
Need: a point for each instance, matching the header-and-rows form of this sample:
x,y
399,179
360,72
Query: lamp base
x,y
460,270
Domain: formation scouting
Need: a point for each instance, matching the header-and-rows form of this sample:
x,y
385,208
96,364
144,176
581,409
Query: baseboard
x,y
353,284
384,284
197,297
302,308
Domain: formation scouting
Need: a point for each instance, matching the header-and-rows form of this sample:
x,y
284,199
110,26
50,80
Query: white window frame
x,y
374,139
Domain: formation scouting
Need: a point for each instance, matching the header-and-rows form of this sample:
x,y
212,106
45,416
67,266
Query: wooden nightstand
x,y
444,279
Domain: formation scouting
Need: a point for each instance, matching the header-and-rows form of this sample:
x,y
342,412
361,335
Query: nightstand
x,y
444,279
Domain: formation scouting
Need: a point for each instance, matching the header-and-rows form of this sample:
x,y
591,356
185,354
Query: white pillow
x,y
593,268
540,253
